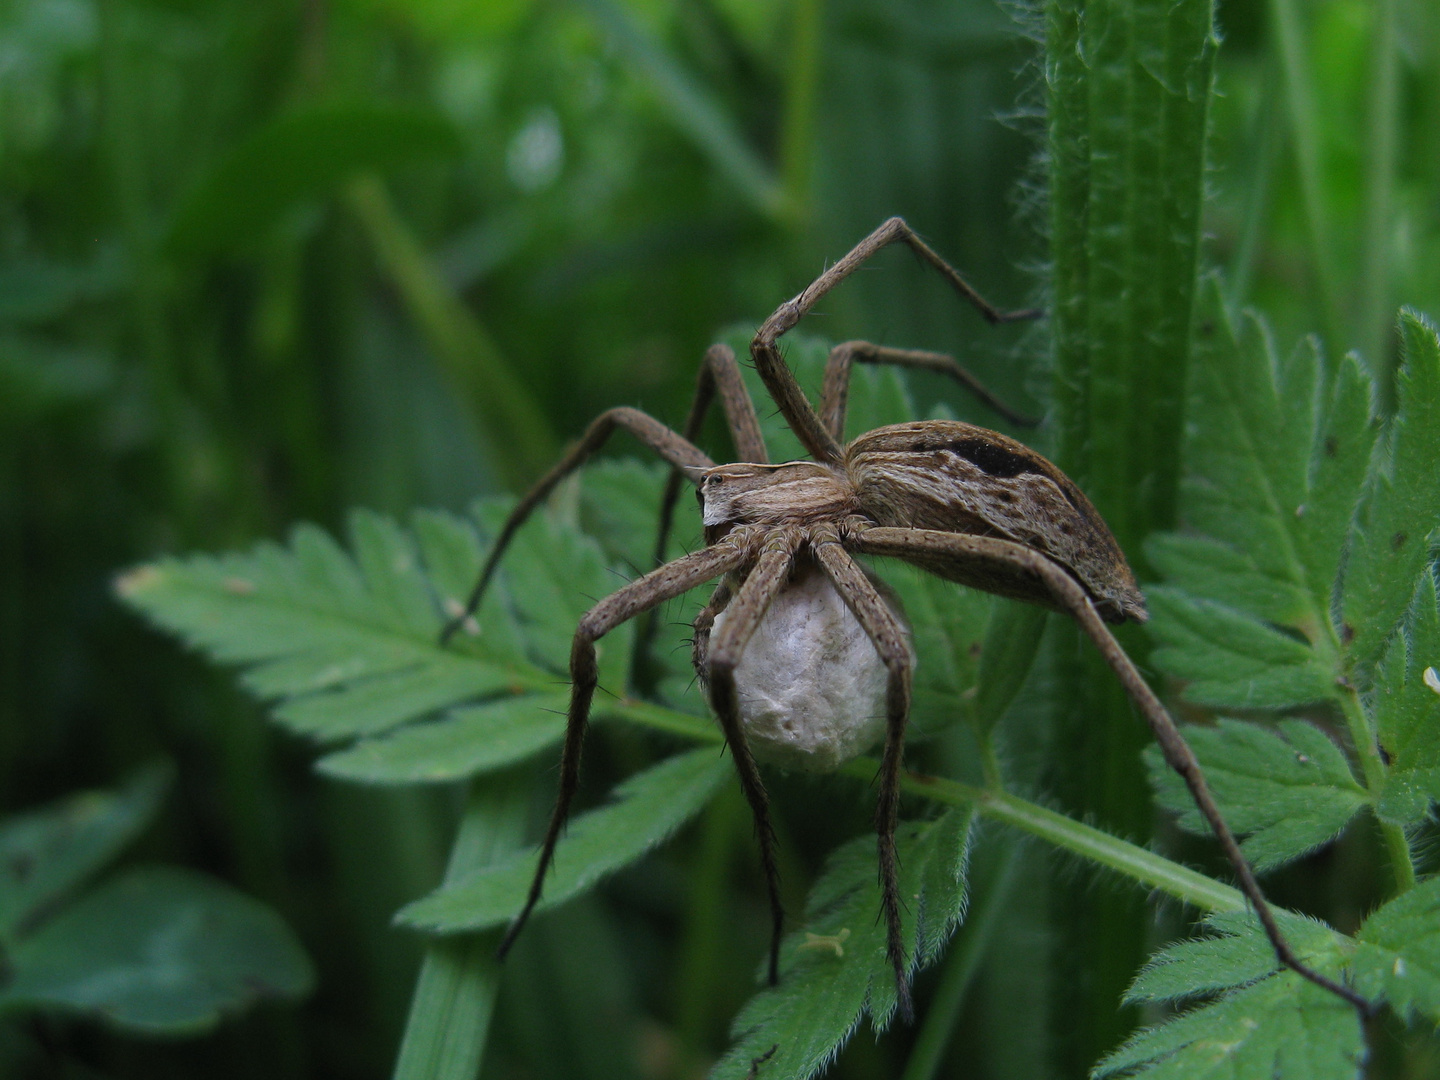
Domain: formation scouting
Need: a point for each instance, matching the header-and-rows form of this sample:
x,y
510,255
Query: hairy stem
x,y
1087,842
1372,769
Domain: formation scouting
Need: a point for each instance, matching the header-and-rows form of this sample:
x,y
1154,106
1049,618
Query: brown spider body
x,y
963,502
946,476
955,477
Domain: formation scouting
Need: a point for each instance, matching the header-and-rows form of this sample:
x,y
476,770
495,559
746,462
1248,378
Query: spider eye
x,y
711,480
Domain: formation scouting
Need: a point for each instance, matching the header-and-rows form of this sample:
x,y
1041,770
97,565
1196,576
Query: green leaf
x,y
1277,1026
1274,457
1398,956
557,574
620,508
467,741
1012,640
1290,788
158,951
1235,953
46,853
1230,660
1283,1028
947,623
834,971
1397,527
648,808
350,647
301,155
1407,711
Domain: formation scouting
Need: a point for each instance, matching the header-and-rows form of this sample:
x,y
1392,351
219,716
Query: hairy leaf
x,y
557,574
1289,788
160,951
1282,1028
1229,659
1397,527
1268,1024
46,853
1398,958
1407,711
348,645
1235,953
947,624
466,741
1274,458
648,808
834,971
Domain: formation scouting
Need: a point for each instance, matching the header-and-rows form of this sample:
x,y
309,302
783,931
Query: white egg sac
x,y
810,683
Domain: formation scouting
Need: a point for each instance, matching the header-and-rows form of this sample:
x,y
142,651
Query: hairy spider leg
x,y
676,449
764,581
656,587
705,622
835,390
931,548
890,642
719,374
780,380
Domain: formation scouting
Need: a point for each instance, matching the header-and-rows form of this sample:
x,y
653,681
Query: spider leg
x,y
654,588
931,549
780,381
746,610
675,449
703,624
718,374
835,391
890,641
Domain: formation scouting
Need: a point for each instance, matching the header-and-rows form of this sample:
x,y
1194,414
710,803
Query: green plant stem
x,y
1372,768
521,441
1089,843
1305,138
460,976
1376,314
960,967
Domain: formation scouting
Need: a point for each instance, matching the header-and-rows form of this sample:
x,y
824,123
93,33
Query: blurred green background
x,y
264,261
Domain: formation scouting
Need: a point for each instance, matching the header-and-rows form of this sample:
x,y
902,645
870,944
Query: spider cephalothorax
x,y
963,502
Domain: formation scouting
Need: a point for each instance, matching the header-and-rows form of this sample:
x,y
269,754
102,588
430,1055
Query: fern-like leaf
x,y
834,971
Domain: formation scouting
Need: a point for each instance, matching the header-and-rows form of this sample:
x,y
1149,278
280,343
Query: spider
x,y
965,503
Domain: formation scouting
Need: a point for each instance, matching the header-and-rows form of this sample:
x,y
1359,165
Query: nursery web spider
x,y
962,502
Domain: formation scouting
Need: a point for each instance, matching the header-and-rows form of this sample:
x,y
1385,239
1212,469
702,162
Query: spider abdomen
x,y
810,684
955,477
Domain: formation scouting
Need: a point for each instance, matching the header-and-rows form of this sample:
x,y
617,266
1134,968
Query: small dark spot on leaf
x,y
755,1063
1384,754
1347,633
21,865
1207,328
1332,446
974,649
1398,541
